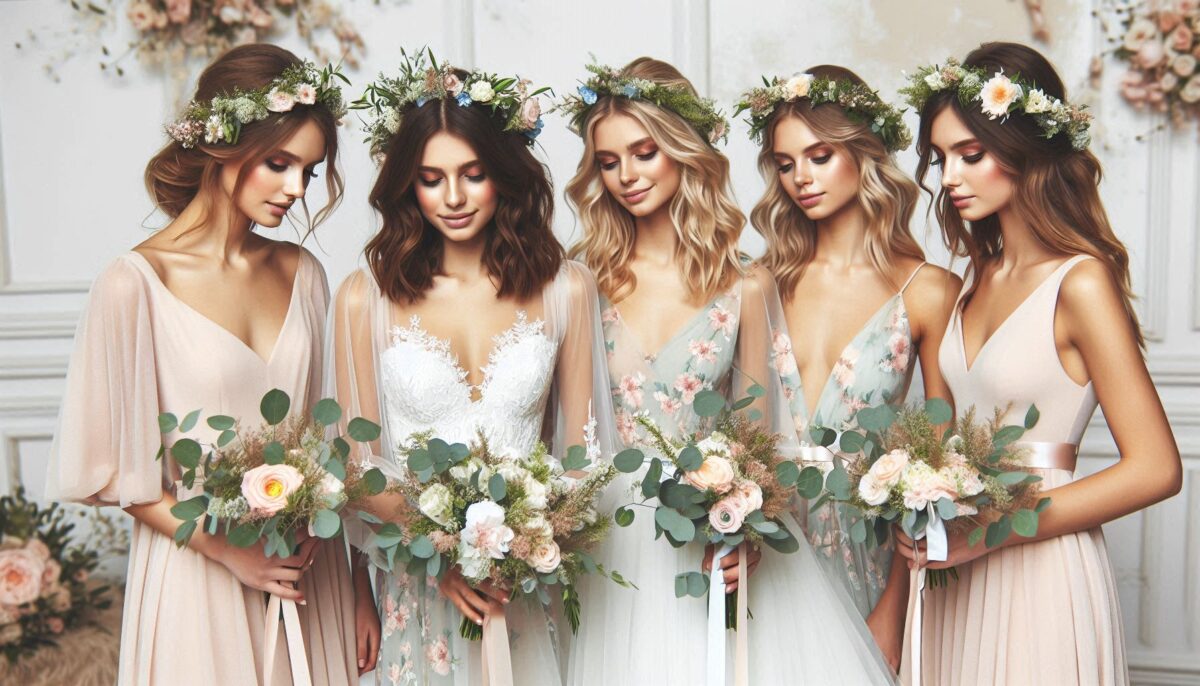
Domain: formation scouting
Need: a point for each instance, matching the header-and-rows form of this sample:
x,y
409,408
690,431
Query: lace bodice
x,y
426,389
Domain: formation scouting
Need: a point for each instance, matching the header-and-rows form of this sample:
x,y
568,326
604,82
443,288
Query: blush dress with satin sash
x,y
1035,613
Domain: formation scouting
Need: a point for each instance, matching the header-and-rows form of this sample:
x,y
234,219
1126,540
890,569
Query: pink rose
x,y
279,101
266,487
715,473
545,557
51,573
531,109
726,516
178,11
452,84
747,496
55,625
20,576
38,548
1168,20
306,94
888,468
1181,38
1151,54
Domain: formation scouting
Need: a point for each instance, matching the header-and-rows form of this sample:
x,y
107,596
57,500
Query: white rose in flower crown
x,y
999,92
306,93
21,573
888,468
715,473
266,487
485,530
437,503
798,85
1037,101
872,491
545,557
481,91
726,515
280,101
935,80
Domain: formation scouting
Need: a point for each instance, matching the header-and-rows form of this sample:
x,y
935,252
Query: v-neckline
x,y
959,309
287,317
687,326
444,348
810,413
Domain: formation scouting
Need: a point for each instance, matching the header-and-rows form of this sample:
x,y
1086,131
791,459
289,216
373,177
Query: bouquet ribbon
x,y
295,641
936,550
497,661
716,622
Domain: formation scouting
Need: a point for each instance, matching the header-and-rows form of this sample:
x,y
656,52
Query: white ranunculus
x,y
481,91
437,503
872,491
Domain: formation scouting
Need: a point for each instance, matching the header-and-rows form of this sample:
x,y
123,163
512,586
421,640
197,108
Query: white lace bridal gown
x,y
539,383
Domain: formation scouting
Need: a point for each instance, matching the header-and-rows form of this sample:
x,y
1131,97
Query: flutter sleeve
x,y
105,448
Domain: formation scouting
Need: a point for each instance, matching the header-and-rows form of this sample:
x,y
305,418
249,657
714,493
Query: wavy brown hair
x,y
1057,187
520,252
886,196
707,220
177,175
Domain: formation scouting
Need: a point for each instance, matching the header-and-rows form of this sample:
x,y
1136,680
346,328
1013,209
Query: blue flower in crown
x,y
421,102
630,91
588,95
463,99
533,133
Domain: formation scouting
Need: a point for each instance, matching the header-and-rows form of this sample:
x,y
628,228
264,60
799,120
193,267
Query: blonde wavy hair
x,y
886,195
707,220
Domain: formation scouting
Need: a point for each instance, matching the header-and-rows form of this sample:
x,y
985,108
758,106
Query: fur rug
x,y
85,656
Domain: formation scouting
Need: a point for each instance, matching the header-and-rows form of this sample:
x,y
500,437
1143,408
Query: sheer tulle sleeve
x,y
579,410
107,439
764,357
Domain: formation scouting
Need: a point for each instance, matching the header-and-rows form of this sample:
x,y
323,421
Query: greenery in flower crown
x,y
221,119
1000,96
421,80
860,103
701,113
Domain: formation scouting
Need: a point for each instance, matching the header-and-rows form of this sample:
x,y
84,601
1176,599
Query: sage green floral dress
x,y
874,369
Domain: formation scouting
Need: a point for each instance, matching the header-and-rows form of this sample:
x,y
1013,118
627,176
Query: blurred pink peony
x,y
20,576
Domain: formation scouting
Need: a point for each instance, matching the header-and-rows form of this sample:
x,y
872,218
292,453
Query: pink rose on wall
x,y
178,11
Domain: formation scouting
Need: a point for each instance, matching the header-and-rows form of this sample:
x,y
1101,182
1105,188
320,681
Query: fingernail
x,y
479,622
362,663
302,601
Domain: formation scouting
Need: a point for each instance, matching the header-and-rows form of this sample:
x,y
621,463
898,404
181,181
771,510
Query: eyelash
x,y
645,157
822,159
280,168
477,178
969,159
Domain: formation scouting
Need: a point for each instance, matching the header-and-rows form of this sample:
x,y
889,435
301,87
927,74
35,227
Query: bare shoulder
x,y
1090,289
933,292
757,281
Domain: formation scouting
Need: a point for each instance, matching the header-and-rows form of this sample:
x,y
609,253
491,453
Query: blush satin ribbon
x,y
716,622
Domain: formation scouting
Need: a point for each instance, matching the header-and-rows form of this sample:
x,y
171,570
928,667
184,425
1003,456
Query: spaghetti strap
x,y
912,276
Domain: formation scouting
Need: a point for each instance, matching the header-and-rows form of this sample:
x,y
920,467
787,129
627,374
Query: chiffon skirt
x,y
1036,613
803,628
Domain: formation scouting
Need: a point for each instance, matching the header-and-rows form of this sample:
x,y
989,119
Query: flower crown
x,y
420,81
1000,96
701,113
222,118
859,103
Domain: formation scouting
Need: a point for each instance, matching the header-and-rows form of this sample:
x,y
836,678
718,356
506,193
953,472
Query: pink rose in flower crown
x,y
726,515
452,84
280,101
306,93
266,487
531,109
20,576
715,473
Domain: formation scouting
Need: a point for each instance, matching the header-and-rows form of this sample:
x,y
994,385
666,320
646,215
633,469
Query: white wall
x,y
72,153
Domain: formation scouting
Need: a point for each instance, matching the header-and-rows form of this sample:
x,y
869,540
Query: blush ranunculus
x,y
715,473
726,515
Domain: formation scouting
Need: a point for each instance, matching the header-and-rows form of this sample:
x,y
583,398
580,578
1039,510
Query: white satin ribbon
x,y
495,651
295,641
716,622
937,547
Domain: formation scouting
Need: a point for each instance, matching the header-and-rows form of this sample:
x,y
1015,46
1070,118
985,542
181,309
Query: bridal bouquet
x,y
44,586
266,483
969,478
513,519
728,488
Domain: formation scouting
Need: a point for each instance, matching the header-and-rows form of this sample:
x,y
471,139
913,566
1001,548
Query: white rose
x,y
462,471
1191,90
798,85
536,493
437,504
546,557
1037,101
872,491
481,91
716,444
888,468
1184,65
538,527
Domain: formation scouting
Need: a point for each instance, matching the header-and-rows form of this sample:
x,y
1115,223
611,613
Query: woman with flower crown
x,y
466,211
835,217
172,325
681,313
1045,319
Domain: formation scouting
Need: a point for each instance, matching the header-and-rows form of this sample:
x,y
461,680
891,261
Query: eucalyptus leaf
x,y
1007,435
681,585
388,535
1011,478
787,472
326,524
742,404
765,527
998,531
184,532
576,459
754,415
243,536
1032,417
679,527
189,422
274,406
368,517
946,508
337,468
341,448
433,566
167,422
808,485
419,460
226,438
974,536
629,460
362,430
421,547
689,459
1025,523
1042,505
876,419
697,584
938,410
439,451
852,441
623,516
708,403
786,545
650,482
838,483
186,452
190,508
756,391
858,531
497,489
327,412
273,453
822,436
375,481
